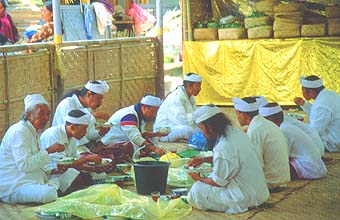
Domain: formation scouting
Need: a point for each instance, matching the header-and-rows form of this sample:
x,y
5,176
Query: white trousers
x,y
40,193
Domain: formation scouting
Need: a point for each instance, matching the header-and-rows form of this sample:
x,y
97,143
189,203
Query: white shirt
x,y
21,159
272,150
128,125
58,135
239,173
303,153
72,103
324,117
176,112
310,132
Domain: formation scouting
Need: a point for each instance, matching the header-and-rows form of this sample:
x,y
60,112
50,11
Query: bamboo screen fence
x,y
130,66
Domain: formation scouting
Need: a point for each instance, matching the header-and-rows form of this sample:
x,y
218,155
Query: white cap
x,y
244,106
261,100
268,111
83,120
205,112
310,84
101,88
193,78
32,100
151,101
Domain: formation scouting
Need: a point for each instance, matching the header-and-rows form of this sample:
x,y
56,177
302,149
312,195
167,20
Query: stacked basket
x,y
266,6
314,25
258,25
288,19
333,20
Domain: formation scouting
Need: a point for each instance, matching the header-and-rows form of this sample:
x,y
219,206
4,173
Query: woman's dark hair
x,y
48,5
16,35
4,4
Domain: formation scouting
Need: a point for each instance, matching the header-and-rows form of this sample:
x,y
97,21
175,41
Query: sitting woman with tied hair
x,y
47,30
8,30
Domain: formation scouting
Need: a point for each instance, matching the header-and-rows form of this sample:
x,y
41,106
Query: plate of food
x,y
205,168
65,162
55,215
164,130
104,162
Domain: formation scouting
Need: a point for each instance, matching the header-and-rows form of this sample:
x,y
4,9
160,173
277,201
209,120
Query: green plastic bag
x,y
110,200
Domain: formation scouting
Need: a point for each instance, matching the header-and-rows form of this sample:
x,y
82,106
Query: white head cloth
x,y
205,112
101,88
83,120
261,100
151,101
268,111
243,106
193,78
32,100
310,84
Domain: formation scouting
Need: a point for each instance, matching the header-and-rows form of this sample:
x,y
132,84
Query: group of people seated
x,y
247,166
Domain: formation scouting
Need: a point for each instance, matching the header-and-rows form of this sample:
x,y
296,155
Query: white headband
x,y
193,78
83,120
32,100
101,88
151,101
261,100
268,111
310,84
244,106
205,112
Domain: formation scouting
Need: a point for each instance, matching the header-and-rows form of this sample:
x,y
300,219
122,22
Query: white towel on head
x,y
151,101
268,111
310,84
244,106
34,99
193,78
100,88
205,112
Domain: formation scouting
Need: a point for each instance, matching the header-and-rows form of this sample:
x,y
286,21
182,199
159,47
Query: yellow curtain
x,y
268,67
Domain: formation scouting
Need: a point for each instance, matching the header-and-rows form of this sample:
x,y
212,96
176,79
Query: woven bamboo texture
x,y
205,34
130,67
200,11
260,32
313,30
266,6
289,7
333,26
253,22
332,11
287,33
232,33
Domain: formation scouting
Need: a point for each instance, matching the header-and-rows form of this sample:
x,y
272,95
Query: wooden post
x,y
184,20
189,20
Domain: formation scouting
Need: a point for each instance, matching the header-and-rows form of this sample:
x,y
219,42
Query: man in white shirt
x,y
269,142
324,113
237,181
88,99
177,108
22,177
74,129
129,125
304,156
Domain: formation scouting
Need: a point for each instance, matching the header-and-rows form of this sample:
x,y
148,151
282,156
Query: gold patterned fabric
x,y
268,67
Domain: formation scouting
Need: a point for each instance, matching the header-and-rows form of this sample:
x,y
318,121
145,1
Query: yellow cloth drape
x,y
268,67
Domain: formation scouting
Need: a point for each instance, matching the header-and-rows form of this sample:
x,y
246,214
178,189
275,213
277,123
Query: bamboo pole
x,y
189,20
184,20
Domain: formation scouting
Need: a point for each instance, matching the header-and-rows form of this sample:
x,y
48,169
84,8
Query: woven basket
x,y
232,33
289,7
295,17
313,30
333,26
260,32
266,6
287,33
285,26
205,34
314,19
252,22
332,12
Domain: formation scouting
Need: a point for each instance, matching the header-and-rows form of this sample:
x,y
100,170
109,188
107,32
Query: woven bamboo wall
x,y
129,66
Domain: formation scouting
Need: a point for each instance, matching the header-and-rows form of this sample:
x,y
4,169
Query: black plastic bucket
x,y
151,176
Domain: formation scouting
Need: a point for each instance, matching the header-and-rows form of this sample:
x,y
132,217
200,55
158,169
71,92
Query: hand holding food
x,y
299,101
55,148
94,158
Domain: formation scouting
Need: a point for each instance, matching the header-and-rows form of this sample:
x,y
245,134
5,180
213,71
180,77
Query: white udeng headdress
x,y
205,112
193,78
83,120
310,84
151,101
32,100
268,111
101,88
244,106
